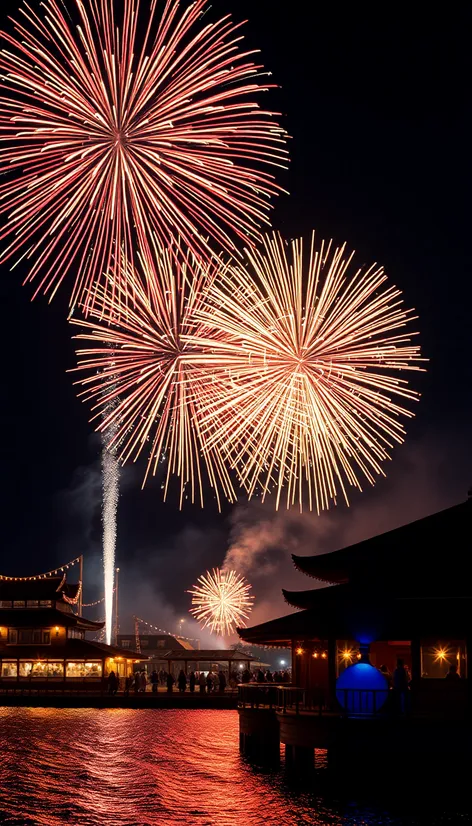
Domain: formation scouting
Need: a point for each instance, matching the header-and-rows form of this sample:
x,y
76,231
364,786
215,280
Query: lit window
x,y
32,603
9,669
5,603
45,603
19,603
125,643
39,670
25,668
444,659
55,669
75,634
75,669
93,669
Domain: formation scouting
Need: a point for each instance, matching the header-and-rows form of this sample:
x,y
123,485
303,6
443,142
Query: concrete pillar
x,y
299,758
259,739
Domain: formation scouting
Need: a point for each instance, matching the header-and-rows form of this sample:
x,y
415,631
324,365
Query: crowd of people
x,y
204,682
261,676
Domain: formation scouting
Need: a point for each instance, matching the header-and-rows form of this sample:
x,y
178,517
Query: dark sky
x,y
378,106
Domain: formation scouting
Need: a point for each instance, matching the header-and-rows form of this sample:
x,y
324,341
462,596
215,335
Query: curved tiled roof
x,y
416,545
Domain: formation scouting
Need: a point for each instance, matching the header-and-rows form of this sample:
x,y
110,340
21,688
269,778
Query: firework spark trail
x,y
284,369
110,137
221,601
303,403
110,490
143,380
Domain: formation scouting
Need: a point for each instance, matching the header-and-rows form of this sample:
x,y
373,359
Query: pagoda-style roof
x,y
81,649
343,614
45,617
410,553
47,588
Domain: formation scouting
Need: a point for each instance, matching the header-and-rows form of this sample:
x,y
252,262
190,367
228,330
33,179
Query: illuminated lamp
x,y
315,655
324,655
361,688
299,651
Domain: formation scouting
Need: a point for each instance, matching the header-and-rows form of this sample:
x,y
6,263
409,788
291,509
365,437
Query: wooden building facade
x,y
403,594
43,642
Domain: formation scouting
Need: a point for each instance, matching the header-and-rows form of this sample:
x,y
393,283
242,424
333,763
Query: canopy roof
x,y
79,649
204,655
49,588
45,618
411,553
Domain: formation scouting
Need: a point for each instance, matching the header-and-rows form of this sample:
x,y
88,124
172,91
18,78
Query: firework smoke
x,y
110,489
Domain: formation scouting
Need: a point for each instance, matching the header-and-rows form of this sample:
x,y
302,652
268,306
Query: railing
x,y
281,697
293,699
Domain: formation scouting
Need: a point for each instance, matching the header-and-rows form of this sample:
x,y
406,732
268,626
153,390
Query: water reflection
x,y
132,767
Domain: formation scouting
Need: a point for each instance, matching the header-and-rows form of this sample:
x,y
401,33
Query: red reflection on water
x,y
136,768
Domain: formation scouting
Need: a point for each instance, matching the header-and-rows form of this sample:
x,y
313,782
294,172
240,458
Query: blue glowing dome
x,y
362,689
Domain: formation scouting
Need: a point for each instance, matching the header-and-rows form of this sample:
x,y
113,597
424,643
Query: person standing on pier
x,y
202,682
222,681
112,683
192,680
170,683
182,681
143,681
154,681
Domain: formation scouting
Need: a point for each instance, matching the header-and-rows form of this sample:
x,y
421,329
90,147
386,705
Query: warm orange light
x,y
56,629
299,650
324,655
358,655
316,655
441,655
118,658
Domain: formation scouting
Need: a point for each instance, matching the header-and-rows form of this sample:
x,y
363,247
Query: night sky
x,y
378,107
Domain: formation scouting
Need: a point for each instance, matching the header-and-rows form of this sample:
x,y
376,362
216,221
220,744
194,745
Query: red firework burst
x,y
110,136
145,381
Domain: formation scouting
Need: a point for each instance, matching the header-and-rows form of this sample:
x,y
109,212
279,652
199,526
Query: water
x,y
130,767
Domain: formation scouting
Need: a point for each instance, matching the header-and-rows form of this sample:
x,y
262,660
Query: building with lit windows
x,y
43,643
397,596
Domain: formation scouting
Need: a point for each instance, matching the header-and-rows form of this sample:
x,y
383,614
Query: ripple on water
x,y
129,767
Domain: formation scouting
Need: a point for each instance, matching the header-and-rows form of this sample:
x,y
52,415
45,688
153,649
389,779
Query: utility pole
x,y
81,583
117,626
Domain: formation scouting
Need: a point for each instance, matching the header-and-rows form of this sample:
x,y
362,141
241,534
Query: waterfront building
x,y
170,653
401,595
43,642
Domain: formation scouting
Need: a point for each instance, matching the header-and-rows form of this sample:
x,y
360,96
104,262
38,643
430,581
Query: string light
x,y
162,631
73,600
60,570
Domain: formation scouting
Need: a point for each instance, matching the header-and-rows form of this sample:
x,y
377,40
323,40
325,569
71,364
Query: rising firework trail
x,y
146,383
115,128
221,601
110,493
310,394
